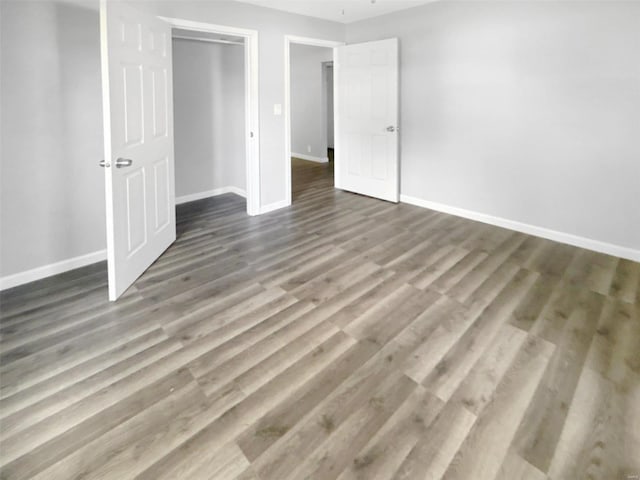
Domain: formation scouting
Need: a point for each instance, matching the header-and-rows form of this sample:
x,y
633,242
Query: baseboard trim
x,y
274,206
562,237
39,273
45,271
210,193
311,158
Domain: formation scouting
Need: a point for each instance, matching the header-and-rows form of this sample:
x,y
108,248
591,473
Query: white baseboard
x,y
210,193
311,158
274,206
568,238
34,274
39,273
237,190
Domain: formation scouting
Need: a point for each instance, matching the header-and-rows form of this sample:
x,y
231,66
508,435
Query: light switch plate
x,y
277,109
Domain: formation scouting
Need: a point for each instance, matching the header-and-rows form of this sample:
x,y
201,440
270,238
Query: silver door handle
x,y
123,162
391,128
104,164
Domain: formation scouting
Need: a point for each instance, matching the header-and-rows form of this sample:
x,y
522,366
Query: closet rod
x,y
211,40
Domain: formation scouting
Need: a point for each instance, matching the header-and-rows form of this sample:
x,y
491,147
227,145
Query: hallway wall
x,y
308,101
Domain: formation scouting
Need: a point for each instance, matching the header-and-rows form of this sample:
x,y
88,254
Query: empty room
x,y
350,239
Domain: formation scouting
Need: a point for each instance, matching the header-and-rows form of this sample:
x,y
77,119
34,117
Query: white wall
x,y
51,187
528,111
208,109
308,100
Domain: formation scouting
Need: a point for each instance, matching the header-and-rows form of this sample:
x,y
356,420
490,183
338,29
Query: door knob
x,y
104,164
391,128
123,162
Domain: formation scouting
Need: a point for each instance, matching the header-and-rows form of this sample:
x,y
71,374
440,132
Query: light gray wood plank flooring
x,y
343,337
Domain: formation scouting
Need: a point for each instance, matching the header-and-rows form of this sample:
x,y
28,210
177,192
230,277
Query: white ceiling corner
x,y
343,11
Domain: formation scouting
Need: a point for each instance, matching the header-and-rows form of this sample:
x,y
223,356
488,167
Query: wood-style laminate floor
x,y
344,337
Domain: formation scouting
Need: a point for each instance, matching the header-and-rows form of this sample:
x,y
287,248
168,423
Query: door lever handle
x,y
123,162
104,164
391,128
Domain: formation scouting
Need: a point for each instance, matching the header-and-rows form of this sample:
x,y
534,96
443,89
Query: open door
x,y
138,138
366,127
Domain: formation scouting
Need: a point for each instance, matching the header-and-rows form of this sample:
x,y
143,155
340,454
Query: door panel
x,y
161,194
132,126
366,157
160,101
138,116
136,208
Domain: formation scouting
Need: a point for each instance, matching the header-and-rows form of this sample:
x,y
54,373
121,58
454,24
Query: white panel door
x,y
366,104
138,125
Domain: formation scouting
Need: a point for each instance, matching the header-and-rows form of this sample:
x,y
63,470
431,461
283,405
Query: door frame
x,y
315,42
325,104
252,93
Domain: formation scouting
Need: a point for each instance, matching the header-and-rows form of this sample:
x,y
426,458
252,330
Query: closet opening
x,y
209,116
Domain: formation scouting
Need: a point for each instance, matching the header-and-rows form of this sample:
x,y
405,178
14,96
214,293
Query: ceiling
x,y
207,36
344,11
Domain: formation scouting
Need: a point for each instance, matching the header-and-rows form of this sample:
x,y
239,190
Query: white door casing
x,y
366,123
138,126
288,40
252,100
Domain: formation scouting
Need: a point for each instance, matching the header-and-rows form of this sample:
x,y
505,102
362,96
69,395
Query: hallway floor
x,y
307,177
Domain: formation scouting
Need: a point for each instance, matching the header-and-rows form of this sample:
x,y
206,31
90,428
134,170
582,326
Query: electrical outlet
x,y
308,148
